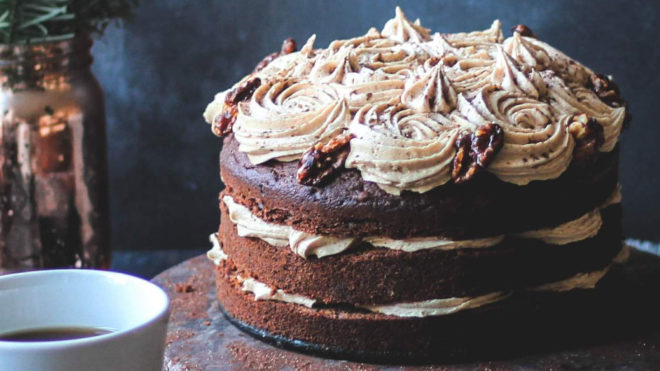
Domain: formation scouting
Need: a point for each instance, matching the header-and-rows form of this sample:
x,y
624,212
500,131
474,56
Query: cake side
x,y
489,331
350,206
364,274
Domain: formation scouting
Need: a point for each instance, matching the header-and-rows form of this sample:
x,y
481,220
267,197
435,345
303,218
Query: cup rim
x,y
160,313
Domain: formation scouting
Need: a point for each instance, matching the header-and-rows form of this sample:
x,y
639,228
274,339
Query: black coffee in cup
x,y
53,334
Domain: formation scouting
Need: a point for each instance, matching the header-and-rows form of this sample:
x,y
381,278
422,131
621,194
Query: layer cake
x,y
391,193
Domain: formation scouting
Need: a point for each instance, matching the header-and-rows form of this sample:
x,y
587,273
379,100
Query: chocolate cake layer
x,y
518,323
349,206
368,275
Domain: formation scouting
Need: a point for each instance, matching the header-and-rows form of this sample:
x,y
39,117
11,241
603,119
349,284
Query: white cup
x,y
136,311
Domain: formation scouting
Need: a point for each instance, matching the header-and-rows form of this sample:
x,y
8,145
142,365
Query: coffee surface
x,y
53,334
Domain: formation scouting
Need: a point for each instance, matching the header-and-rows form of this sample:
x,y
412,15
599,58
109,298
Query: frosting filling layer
x,y
261,291
306,245
434,307
216,254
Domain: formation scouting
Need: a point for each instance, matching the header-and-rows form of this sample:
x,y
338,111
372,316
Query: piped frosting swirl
x,y
285,118
400,148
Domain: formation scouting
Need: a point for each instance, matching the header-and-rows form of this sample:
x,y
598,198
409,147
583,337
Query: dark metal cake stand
x,y
201,338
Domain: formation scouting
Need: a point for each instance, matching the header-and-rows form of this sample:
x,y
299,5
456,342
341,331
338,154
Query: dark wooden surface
x,y
200,338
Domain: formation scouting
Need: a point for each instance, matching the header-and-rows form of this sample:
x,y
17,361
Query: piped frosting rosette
x,y
291,66
394,60
399,148
387,59
430,92
283,119
472,72
510,76
537,145
477,39
522,50
401,29
369,69
373,92
371,57
541,56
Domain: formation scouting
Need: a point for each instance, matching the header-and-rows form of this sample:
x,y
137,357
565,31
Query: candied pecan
x,y
288,47
524,31
475,150
588,134
224,122
321,161
606,89
243,92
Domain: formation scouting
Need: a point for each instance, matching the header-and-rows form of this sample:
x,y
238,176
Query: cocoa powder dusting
x,y
183,288
189,303
263,357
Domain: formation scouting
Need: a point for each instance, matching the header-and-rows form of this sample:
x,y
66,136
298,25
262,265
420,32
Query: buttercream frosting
x,y
436,307
400,148
216,254
301,243
433,307
405,93
401,29
261,291
584,227
305,244
284,118
587,280
426,308
423,243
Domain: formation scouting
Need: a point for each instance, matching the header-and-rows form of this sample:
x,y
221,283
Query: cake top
x,y
413,110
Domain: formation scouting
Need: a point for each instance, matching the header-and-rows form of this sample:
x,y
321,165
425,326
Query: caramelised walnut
x,y
243,92
606,89
588,134
224,122
288,47
524,31
475,150
321,161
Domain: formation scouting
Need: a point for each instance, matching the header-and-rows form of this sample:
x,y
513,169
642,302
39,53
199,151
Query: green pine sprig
x,y
37,21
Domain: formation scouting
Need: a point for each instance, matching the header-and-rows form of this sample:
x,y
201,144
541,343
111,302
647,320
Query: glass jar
x,y
53,165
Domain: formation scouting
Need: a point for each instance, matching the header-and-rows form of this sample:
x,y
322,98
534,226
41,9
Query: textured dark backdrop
x,y
161,71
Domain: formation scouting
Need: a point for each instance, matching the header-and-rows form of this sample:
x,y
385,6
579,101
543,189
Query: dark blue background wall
x,y
161,71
